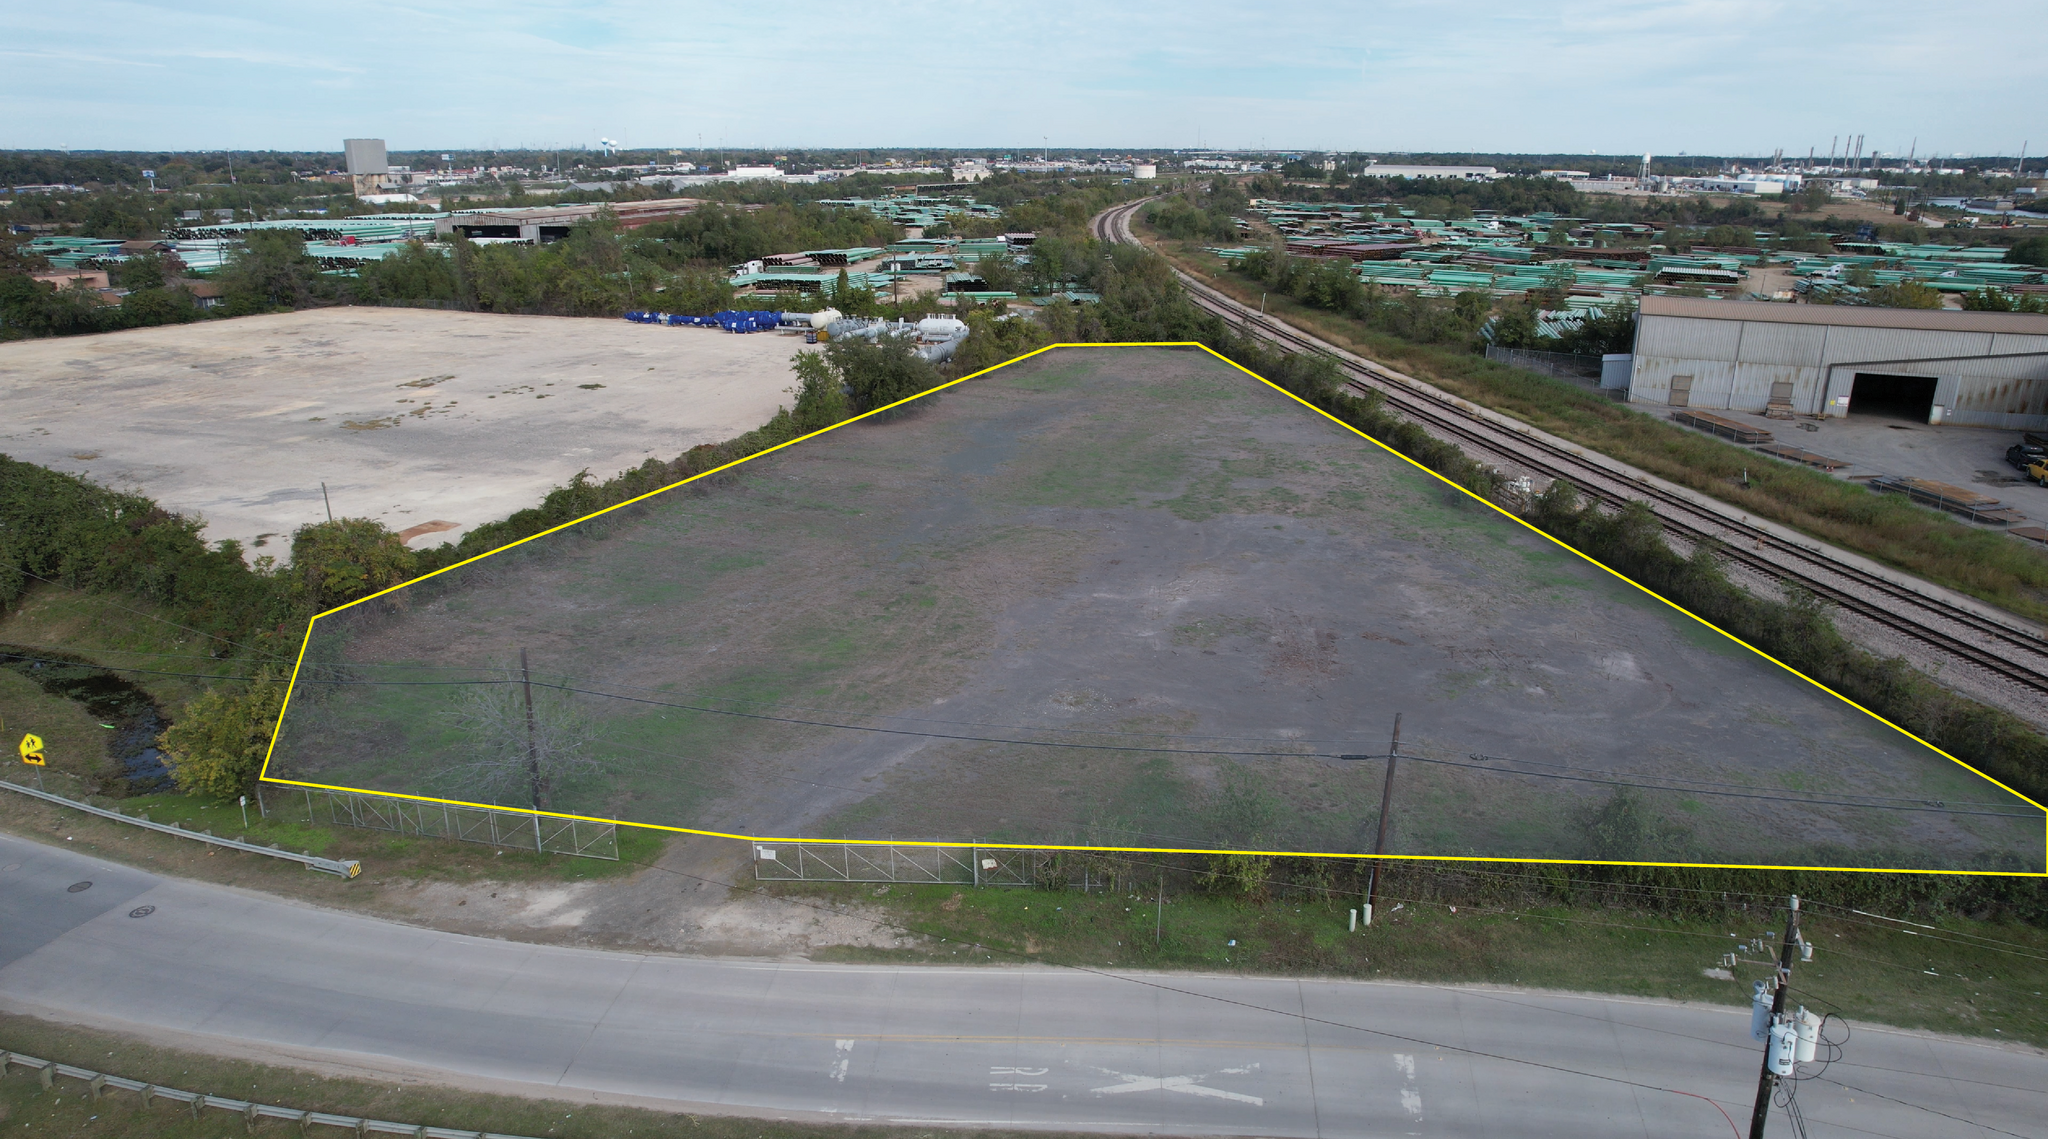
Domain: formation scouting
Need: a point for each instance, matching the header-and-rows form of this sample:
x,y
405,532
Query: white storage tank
x,y
823,317
1145,170
941,328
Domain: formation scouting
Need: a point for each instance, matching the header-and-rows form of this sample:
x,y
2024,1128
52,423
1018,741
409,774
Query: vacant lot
x,y
409,416
1123,597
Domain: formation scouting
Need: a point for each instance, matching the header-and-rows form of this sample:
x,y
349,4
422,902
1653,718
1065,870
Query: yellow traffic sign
x,y
32,749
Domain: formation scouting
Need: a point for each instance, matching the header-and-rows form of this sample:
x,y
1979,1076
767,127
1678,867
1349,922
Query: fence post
x,y
537,847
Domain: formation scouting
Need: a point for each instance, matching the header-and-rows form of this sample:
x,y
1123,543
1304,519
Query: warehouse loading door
x,y
1892,397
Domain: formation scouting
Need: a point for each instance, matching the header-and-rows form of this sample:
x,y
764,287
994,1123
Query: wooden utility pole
x,y
532,737
1766,1080
1379,846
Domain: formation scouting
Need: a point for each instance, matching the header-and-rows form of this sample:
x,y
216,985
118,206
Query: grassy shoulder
x,y
171,663
1887,528
26,1108
1929,980
389,860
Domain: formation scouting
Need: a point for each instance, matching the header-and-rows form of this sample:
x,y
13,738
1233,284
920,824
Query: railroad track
x,y
2008,652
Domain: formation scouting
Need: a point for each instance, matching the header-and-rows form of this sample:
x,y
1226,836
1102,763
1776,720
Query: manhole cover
x,y
141,911
76,887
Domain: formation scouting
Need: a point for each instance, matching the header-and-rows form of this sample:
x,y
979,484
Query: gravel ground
x,y
409,416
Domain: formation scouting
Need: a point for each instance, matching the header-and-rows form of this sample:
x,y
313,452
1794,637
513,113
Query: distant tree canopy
x,y
726,235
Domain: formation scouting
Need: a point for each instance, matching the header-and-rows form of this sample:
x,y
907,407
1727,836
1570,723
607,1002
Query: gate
x,y
890,862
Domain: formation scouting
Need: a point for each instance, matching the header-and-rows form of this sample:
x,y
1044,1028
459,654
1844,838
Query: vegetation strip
x,y
343,869
249,1110
460,1114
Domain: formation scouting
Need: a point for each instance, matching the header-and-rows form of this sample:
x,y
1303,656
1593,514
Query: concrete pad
x,y
413,417
1889,445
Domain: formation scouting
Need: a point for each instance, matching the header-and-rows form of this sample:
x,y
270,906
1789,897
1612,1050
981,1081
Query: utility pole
x,y
1379,846
1767,1078
1159,926
328,501
532,746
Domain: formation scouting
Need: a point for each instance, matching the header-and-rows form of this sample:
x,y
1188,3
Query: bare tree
x,y
522,743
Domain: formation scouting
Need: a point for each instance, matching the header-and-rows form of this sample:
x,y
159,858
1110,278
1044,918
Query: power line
x,y
1922,1107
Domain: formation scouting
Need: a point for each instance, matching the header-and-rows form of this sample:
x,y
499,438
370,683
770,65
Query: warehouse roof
x,y
1847,315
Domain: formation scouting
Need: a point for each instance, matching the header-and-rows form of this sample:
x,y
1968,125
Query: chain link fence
x,y
503,827
1558,365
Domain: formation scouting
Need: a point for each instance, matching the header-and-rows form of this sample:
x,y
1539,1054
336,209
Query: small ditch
x,y
134,719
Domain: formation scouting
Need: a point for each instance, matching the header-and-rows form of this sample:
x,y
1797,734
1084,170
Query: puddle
x,y
109,700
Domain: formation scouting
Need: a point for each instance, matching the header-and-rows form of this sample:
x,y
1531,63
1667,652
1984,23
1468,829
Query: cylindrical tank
x,y
823,317
941,327
1808,1026
1145,170
1784,1048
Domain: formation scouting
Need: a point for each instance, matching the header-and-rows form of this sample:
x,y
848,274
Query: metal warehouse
x,y
1983,369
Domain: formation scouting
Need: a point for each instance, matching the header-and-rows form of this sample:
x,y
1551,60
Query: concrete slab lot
x,y
1119,597
408,415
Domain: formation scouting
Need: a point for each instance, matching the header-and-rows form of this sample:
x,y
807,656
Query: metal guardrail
x,y
343,868
97,1084
890,862
506,827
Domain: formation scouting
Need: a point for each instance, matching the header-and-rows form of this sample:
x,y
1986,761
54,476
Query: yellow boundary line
x,y
264,774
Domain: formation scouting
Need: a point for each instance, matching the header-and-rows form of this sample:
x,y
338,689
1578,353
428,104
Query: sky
x,y
1729,77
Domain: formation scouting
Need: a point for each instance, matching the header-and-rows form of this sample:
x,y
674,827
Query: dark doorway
x,y
1892,397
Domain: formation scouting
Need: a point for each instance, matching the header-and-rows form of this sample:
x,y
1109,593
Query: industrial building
x,y
539,224
1980,369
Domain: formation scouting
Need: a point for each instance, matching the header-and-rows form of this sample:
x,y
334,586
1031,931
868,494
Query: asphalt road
x,y
1023,1047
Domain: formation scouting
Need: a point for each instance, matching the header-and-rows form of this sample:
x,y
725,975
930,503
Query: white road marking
x,y
1016,1071
1018,1087
1411,1099
1186,1085
839,1067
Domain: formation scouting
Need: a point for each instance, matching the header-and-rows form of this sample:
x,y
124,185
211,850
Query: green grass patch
x,y
171,663
387,857
1866,973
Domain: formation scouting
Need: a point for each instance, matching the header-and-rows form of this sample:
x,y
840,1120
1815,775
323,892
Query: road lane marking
x,y
844,1049
1411,1097
1185,1085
